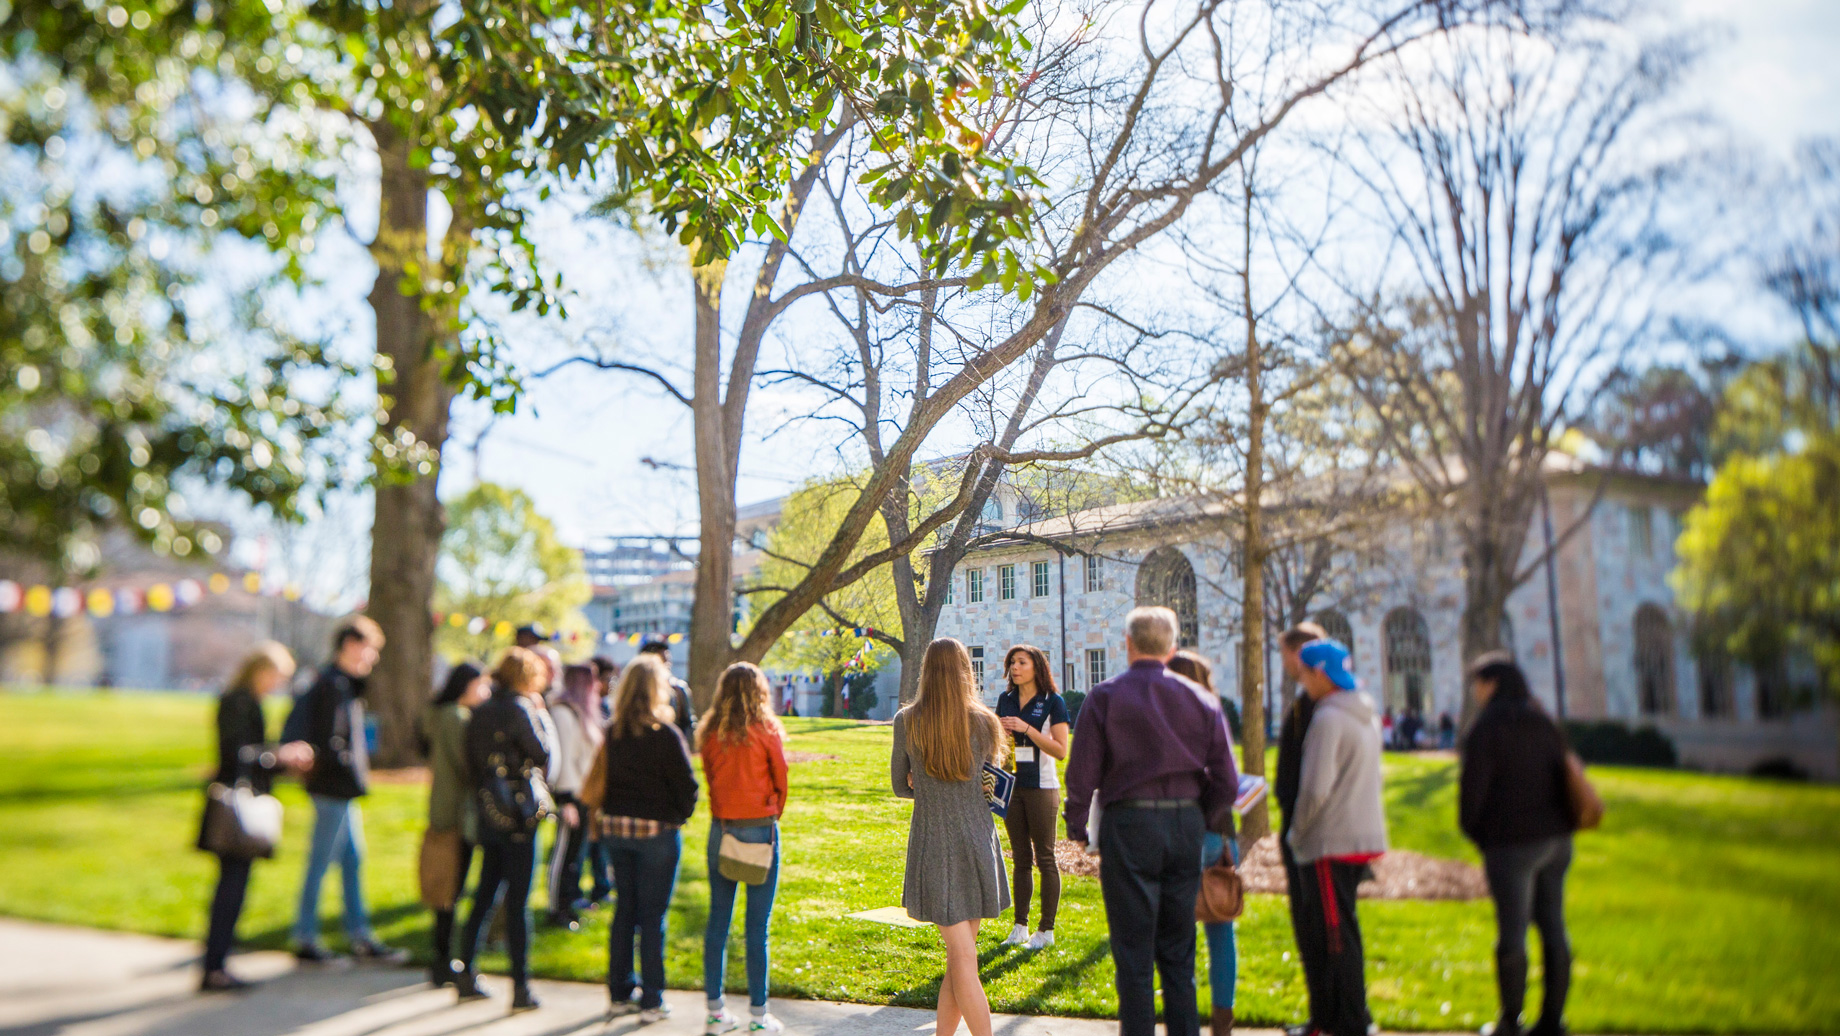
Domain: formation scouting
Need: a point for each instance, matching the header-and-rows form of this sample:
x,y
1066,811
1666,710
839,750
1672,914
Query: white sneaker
x,y
621,1009
720,1022
765,1023
1041,940
1017,936
654,1014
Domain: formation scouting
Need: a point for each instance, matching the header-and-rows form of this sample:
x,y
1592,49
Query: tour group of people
x,y
1150,786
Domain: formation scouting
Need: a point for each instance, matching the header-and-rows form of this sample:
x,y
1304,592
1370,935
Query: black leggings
x,y
1527,882
226,907
504,875
1030,823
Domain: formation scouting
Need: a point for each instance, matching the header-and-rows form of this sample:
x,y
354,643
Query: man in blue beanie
x,y
1338,830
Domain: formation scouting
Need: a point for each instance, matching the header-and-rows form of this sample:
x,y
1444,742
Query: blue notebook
x,y
999,787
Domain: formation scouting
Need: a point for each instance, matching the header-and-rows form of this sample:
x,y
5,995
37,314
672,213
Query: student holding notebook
x,y
1035,715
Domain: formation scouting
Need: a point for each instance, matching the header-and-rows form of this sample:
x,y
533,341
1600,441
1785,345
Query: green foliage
x,y
251,111
1704,904
1617,744
501,561
127,367
1759,558
806,525
708,110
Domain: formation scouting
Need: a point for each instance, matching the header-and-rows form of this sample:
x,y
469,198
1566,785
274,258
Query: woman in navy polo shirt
x,y
1036,716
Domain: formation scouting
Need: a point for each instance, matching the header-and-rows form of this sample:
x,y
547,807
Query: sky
x,y
608,453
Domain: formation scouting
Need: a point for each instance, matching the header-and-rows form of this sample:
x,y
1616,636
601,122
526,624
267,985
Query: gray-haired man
x,y
1155,749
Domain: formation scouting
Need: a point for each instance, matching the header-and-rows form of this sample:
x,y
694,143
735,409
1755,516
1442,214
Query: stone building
x,y
1607,636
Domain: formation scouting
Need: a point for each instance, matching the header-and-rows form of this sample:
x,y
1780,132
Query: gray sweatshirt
x,y
1339,812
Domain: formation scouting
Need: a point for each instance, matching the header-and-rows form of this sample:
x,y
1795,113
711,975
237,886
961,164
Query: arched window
x,y
1337,626
1167,578
1408,661
1654,661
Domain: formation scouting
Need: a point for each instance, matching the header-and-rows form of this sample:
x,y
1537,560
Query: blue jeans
x,y
1223,943
644,876
722,912
338,832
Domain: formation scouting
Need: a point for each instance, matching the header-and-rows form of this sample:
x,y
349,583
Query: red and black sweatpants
x,y
1329,942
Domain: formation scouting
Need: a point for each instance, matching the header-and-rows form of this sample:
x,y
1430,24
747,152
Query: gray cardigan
x,y
1339,811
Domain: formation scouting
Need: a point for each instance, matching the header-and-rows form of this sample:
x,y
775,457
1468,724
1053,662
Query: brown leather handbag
x,y
441,869
1587,805
594,786
1223,895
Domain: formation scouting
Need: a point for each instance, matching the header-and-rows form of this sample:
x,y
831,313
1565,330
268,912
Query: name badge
x,y
1025,753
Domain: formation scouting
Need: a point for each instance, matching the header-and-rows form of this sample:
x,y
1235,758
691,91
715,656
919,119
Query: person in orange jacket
x,y
744,765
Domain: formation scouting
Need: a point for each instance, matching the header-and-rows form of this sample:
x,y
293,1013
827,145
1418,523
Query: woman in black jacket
x,y
1513,805
244,754
650,791
506,754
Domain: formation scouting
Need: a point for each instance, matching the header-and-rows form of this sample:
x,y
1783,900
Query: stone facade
x,y
1403,608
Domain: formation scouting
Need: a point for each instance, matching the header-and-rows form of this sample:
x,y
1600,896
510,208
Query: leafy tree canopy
x,y
1759,556
809,519
128,367
701,108
501,562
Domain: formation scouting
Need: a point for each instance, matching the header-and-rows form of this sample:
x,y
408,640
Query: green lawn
x,y
1706,904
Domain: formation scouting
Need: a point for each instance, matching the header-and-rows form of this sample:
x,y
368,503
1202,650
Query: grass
x,y
1706,904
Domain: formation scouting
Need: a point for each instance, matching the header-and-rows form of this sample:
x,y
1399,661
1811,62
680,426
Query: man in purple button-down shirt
x,y
1155,749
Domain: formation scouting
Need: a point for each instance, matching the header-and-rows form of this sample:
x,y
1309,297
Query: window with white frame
x,y
977,668
974,585
1095,667
1641,531
1038,573
1095,574
951,583
1006,582
1070,671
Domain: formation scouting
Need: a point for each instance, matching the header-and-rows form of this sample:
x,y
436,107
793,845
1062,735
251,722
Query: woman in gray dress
x,y
955,872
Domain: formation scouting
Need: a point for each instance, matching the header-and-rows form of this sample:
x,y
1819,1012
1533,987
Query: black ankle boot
x,y
441,974
466,983
522,1000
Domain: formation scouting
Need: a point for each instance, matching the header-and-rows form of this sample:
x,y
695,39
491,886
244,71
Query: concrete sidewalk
x,y
59,981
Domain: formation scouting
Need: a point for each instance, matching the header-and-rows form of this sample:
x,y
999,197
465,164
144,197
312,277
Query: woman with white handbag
x,y
239,797
744,763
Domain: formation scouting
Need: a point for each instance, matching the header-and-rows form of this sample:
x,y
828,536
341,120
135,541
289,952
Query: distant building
x,y
1623,645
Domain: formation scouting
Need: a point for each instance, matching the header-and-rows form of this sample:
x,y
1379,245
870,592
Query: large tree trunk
x,y
1487,581
712,613
406,534
1252,573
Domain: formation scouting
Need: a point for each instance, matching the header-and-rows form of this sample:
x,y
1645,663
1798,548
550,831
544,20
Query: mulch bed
x,y
1400,874
809,757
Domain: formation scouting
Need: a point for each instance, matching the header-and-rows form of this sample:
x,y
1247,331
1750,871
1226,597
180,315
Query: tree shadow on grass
x,y
44,794
926,994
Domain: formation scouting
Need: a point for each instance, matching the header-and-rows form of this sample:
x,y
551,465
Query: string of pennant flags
x,y
100,602
478,625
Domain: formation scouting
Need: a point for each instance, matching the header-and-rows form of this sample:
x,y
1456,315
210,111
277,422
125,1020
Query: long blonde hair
x,y
743,699
266,656
642,700
939,721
